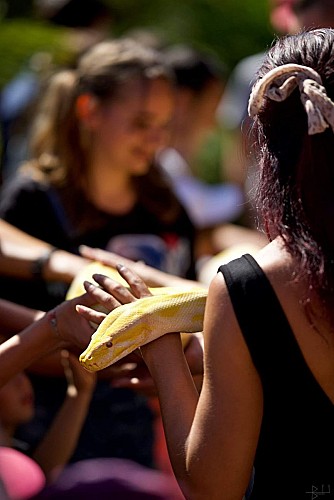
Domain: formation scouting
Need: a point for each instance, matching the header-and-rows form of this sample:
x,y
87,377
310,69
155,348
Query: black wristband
x,y
37,266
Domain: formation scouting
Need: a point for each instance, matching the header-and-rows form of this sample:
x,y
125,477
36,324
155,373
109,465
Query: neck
x,y
110,190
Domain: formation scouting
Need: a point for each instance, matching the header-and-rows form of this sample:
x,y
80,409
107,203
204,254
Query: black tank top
x,y
295,453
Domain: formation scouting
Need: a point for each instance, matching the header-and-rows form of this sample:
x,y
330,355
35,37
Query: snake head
x,y
117,335
90,356
100,354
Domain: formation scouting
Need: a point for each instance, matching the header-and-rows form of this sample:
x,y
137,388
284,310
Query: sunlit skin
x,y
125,134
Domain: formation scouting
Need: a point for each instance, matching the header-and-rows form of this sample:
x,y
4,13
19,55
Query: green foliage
x,y
229,28
21,38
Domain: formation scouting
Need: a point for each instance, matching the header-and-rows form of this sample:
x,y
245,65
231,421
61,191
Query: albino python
x,y
169,309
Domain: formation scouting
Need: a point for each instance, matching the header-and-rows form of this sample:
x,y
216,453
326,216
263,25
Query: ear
x,y
87,108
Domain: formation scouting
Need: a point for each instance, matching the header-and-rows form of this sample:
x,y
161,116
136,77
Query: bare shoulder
x,y
224,342
280,268
221,327
317,350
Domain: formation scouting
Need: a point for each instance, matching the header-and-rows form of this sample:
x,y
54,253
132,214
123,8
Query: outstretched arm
x,y
15,317
61,329
211,436
151,276
19,251
60,441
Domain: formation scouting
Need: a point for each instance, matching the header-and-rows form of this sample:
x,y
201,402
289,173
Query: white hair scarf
x,y
280,82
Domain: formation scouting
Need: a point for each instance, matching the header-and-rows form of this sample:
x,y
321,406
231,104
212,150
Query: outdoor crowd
x,y
101,163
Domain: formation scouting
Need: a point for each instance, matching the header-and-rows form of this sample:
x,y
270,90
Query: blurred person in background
x,y
92,173
232,110
92,181
17,407
213,207
285,16
82,24
200,80
314,13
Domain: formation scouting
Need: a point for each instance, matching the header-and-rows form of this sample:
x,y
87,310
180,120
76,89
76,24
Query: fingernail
x,y
120,267
88,284
80,308
98,276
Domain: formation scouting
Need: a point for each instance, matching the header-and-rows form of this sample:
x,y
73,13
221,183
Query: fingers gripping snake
x,y
129,326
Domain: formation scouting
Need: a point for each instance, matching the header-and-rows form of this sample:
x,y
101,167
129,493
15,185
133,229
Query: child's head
x,y
16,402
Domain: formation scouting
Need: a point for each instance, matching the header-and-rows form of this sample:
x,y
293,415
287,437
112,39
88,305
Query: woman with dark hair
x,y
266,405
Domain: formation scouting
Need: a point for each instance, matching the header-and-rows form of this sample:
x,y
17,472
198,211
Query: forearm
x,y
178,398
60,266
18,352
63,266
20,250
151,276
155,277
60,442
15,317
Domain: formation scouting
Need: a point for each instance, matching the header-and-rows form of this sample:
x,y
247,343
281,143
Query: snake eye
x,y
109,343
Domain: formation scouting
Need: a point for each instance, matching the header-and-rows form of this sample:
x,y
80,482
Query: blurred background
x,y
37,36
231,29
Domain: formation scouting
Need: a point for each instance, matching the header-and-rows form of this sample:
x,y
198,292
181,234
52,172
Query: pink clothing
x,y
21,476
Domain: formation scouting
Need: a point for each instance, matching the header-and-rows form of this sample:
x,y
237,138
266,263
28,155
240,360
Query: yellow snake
x,y
170,309
129,326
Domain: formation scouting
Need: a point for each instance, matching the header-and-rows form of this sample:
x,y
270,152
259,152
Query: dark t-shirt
x,y
42,211
119,421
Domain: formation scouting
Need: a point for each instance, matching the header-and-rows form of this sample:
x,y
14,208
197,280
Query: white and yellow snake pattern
x,y
169,309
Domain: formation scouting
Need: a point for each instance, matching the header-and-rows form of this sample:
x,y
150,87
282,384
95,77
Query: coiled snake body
x,y
169,309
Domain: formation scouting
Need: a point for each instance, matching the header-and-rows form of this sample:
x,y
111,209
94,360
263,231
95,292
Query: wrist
x,y
52,319
153,352
38,265
48,340
63,266
54,331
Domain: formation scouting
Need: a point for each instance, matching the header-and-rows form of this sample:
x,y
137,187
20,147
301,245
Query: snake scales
x,y
169,309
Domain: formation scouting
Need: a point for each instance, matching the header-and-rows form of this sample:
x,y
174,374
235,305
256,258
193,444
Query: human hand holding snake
x,y
131,372
132,324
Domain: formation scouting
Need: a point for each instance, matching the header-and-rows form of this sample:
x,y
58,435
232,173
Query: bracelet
x,y
38,265
52,318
